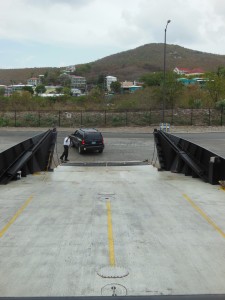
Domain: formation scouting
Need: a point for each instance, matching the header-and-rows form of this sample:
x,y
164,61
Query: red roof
x,y
197,70
191,71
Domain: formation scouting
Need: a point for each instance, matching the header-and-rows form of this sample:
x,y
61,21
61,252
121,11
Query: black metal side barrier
x,y
30,156
181,156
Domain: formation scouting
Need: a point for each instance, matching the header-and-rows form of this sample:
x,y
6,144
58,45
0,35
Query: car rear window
x,y
93,136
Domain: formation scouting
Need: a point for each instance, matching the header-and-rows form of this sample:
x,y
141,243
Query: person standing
x,y
66,145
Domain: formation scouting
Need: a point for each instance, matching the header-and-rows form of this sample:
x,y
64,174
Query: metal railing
x,y
112,118
32,155
178,155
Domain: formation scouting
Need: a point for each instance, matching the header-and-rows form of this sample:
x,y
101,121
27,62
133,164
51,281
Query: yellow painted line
x,y
6,227
204,215
110,236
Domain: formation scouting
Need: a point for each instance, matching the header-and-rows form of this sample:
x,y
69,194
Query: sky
x,y
56,33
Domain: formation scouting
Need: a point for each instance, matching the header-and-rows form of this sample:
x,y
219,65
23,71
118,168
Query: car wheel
x,y
100,151
80,150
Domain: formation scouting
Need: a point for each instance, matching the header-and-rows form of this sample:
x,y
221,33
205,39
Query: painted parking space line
x,y
110,236
204,215
17,214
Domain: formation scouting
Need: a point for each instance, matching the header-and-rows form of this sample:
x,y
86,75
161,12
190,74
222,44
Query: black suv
x,y
87,139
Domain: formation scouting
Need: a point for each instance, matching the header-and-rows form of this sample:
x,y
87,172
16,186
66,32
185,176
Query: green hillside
x,y
129,65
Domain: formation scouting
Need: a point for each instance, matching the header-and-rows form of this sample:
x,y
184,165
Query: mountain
x,y
129,65
16,76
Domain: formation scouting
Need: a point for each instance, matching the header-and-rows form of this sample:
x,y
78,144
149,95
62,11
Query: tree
x,y
220,104
28,89
59,90
83,69
66,91
101,81
65,80
221,72
173,88
215,86
152,79
44,80
2,91
97,95
51,77
40,89
115,87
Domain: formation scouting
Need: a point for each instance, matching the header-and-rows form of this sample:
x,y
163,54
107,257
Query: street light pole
x,y
164,72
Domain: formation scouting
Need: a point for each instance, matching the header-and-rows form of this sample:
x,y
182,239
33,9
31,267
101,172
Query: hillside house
x,y
70,69
78,82
34,81
193,81
10,89
130,87
189,72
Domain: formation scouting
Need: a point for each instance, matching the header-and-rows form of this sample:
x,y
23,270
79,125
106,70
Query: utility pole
x,y
164,72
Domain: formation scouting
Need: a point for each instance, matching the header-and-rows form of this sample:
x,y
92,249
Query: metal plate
x,y
113,272
114,289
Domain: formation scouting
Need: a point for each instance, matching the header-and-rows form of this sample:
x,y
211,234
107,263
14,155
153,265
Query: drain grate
x,y
106,196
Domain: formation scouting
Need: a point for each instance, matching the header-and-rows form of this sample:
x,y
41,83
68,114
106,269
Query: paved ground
x,y
122,144
60,230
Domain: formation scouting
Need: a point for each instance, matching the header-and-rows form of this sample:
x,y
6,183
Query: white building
x,y
34,81
10,89
76,92
70,69
78,82
109,80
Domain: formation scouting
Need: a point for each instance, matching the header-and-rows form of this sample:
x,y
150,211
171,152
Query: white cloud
x,y
116,25
50,3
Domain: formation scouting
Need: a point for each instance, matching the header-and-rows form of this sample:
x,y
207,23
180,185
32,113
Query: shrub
x,y
220,104
3,122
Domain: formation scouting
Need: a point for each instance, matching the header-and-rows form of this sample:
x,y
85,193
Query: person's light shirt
x,y
66,141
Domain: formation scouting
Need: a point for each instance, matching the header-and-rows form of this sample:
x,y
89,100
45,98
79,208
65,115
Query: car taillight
x,y
83,142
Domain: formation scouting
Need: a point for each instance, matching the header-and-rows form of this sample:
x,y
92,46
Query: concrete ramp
x,y
118,230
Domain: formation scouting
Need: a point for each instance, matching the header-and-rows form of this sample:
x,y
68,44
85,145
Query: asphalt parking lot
x,y
124,144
